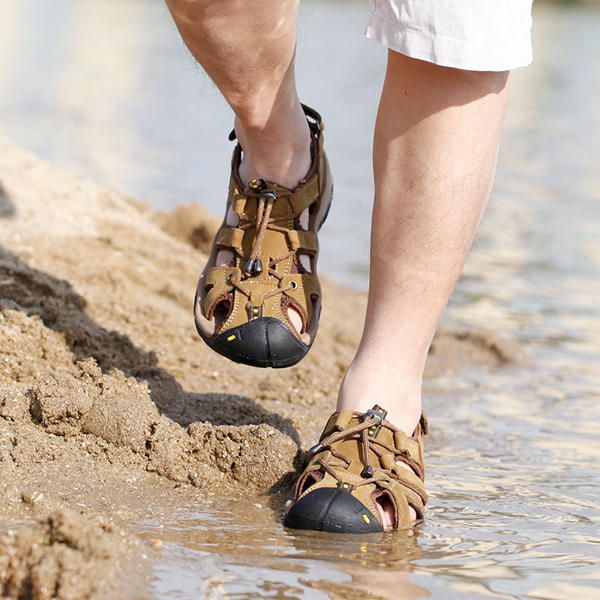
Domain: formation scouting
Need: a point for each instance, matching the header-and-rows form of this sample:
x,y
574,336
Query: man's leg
x,y
247,48
435,149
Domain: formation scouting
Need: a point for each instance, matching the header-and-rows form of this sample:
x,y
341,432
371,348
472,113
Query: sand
x,y
111,407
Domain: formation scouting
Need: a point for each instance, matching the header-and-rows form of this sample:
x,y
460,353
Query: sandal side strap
x,y
303,240
231,237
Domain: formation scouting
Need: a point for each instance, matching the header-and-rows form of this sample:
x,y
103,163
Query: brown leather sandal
x,y
353,476
259,299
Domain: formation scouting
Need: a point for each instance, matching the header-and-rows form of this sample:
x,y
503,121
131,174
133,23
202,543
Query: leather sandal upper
x,y
271,234
358,454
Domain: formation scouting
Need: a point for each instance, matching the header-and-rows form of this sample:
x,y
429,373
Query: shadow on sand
x,y
61,309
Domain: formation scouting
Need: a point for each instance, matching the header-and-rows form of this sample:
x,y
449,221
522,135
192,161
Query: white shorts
x,y
476,35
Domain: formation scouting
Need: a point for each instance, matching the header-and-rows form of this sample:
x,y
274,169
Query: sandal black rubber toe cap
x,y
333,510
262,342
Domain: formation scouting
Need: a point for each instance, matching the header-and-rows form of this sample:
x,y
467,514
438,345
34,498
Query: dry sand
x,y
110,405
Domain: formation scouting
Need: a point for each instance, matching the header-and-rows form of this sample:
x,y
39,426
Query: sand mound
x,y
191,224
108,397
63,555
44,330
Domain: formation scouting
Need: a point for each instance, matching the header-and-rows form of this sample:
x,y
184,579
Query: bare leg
x,y
248,49
435,149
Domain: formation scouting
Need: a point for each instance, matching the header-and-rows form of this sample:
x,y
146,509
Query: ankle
x,y
276,149
281,163
397,392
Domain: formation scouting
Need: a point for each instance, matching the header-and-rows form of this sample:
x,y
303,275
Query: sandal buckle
x,y
378,413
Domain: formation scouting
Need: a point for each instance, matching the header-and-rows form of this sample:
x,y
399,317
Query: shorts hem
x,y
447,52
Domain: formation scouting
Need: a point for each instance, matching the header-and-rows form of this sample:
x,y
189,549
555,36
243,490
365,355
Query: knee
x,y
481,82
443,86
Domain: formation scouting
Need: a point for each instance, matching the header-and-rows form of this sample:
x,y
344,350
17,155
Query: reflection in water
x,y
513,457
265,561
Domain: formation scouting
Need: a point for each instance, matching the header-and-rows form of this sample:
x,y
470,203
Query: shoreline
x,y
111,407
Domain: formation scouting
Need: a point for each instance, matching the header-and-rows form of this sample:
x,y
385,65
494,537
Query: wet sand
x,y
112,411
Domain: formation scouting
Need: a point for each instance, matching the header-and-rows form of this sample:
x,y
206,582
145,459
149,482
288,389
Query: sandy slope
x,y
109,403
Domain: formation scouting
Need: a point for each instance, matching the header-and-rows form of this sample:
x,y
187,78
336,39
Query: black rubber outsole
x,y
333,510
263,342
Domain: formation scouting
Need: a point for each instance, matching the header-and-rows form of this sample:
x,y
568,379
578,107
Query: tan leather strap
x,y
217,280
305,196
230,237
303,287
303,240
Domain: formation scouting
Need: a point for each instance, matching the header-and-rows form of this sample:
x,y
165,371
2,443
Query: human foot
x,y
258,299
364,475
377,379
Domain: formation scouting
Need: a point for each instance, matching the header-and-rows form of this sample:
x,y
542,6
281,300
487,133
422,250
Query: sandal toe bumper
x,y
333,510
262,342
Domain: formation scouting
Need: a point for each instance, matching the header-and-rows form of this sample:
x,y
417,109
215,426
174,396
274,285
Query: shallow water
x,y
514,453
514,512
